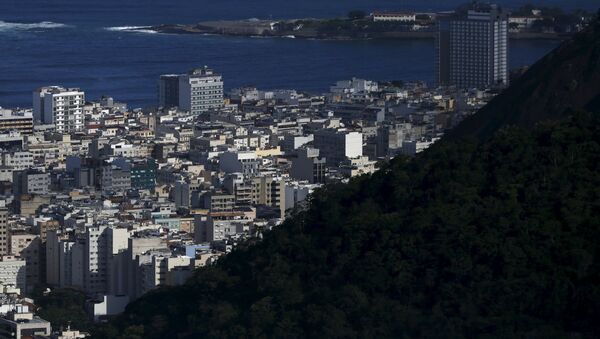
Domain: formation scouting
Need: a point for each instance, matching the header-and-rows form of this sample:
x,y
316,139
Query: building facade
x,y
472,48
27,247
200,90
307,166
394,16
338,145
31,182
62,107
4,248
21,123
168,91
13,272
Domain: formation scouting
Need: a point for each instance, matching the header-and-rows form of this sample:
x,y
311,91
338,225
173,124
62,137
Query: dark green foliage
x,y
356,15
469,239
63,307
525,10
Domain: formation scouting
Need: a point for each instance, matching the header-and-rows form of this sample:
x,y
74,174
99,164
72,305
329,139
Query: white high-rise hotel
x,y
472,48
200,90
62,107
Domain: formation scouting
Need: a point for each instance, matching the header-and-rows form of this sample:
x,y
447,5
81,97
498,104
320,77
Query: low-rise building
x,y
394,16
22,324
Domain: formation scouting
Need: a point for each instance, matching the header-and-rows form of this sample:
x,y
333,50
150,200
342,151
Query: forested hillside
x,y
470,239
567,78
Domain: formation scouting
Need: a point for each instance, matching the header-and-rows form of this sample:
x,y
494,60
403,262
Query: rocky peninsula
x,y
321,29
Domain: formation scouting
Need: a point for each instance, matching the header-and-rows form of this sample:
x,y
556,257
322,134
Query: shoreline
x,y
264,28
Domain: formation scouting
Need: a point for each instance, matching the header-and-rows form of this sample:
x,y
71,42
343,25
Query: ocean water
x,y
82,43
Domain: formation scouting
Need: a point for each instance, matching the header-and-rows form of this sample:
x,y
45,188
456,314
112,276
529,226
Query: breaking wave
x,y
19,26
136,29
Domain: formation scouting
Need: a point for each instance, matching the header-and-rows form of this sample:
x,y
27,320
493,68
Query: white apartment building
x,y
13,272
114,178
26,246
212,229
100,244
263,190
162,269
200,90
357,166
338,145
171,271
354,85
18,160
117,243
62,107
87,262
245,162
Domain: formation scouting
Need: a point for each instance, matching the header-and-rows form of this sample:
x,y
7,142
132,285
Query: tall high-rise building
x,y
62,107
200,90
168,90
4,231
472,47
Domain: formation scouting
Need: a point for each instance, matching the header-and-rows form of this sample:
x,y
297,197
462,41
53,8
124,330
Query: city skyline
x,y
355,201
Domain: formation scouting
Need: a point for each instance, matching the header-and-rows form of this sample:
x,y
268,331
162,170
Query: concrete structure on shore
x,y
394,16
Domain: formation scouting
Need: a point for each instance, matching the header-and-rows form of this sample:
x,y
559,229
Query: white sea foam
x,y
19,26
136,29
124,28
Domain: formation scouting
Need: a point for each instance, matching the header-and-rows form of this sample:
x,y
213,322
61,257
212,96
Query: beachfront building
x,y
472,48
200,90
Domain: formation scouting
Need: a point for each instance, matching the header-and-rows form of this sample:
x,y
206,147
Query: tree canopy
x,y
469,239
357,15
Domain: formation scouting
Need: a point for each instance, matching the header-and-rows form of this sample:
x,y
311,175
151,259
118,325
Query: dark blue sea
x,y
80,43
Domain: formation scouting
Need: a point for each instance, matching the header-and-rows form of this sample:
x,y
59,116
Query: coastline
x,y
264,28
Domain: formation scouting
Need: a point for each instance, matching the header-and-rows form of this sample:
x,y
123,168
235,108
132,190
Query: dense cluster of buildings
x,y
114,201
